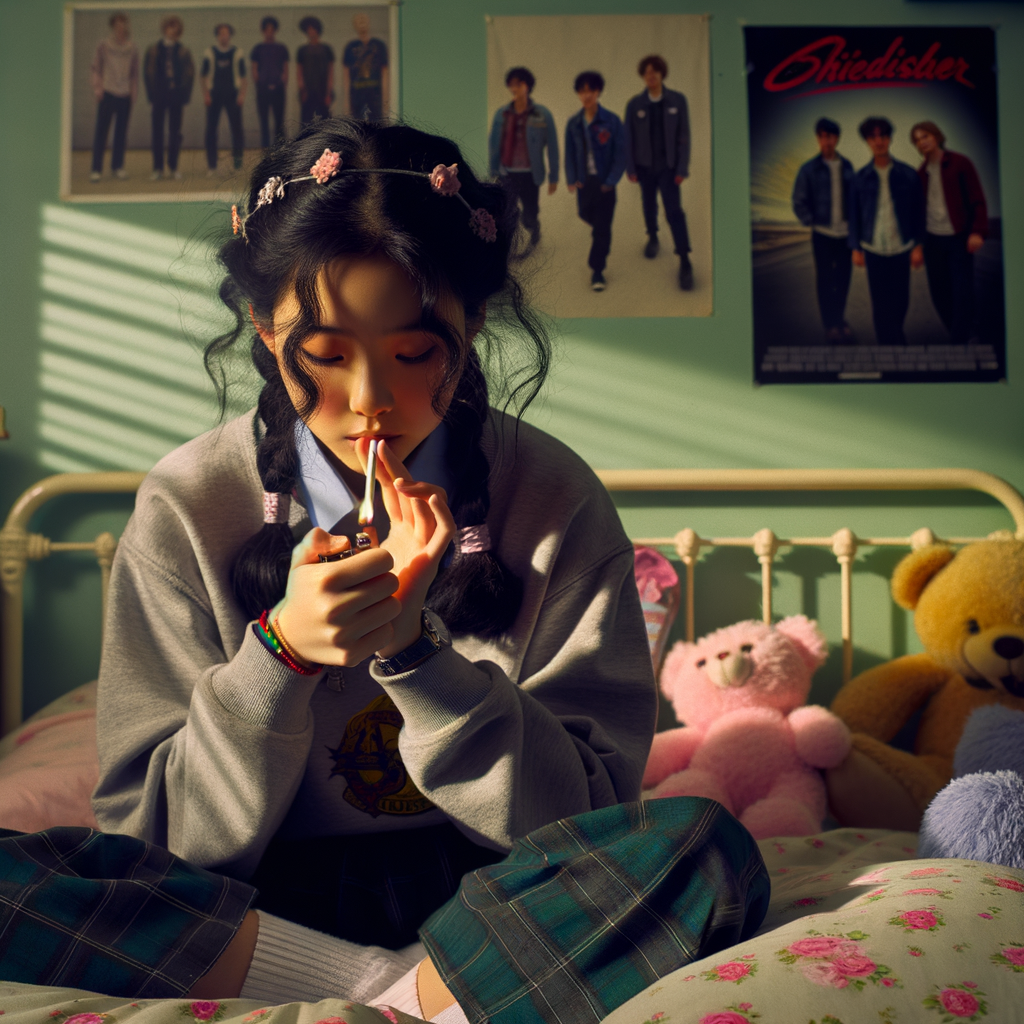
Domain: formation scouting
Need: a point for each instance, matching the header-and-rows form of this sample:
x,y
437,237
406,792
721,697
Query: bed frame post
x,y
766,545
13,561
844,547
688,548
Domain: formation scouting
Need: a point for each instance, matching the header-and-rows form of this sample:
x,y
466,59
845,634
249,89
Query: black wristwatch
x,y
435,636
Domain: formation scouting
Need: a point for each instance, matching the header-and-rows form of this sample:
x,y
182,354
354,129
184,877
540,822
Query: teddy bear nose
x,y
1008,647
722,655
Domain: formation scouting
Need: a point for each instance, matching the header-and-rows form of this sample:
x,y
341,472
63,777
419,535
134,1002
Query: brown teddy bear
x,y
969,614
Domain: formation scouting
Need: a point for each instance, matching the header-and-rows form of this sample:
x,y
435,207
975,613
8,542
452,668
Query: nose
x,y
370,394
1008,647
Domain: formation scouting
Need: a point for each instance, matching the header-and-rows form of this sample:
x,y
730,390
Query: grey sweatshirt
x,y
209,745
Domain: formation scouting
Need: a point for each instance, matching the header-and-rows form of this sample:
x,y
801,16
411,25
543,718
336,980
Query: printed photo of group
x,y
181,102
600,126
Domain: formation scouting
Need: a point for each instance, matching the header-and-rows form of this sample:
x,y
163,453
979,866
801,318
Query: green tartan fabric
x,y
585,913
110,913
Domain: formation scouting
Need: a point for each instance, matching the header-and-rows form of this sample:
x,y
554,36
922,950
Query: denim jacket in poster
x,y
540,132
812,191
907,202
608,139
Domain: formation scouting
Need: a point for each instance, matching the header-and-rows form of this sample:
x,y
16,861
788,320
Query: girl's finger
x,y
392,463
316,543
420,489
424,521
392,504
403,499
445,529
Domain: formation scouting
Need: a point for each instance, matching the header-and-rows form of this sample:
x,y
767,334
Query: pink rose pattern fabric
x,y
858,930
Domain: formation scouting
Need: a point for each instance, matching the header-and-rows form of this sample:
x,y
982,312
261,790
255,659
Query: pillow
x,y
49,766
887,940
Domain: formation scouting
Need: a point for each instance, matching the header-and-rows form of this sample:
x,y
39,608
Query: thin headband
x,y
443,180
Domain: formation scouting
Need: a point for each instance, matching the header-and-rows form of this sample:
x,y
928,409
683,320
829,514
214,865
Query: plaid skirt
x,y
578,918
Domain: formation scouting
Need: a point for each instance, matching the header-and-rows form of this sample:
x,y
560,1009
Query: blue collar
x,y
329,500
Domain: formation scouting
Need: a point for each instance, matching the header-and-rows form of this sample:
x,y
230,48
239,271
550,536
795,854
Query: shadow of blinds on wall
x,y
124,316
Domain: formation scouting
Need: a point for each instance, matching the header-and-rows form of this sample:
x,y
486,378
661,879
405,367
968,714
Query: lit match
x,y
367,536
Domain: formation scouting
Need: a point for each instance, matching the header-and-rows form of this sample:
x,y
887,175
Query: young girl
x,y
353,735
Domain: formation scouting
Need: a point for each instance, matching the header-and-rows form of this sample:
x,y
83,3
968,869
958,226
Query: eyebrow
x,y
416,325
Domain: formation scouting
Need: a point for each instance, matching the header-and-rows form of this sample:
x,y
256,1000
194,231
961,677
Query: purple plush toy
x,y
980,814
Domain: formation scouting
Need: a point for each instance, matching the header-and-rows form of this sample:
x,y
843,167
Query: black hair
x,y
589,80
653,61
826,124
287,245
870,125
525,75
309,22
269,20
223,24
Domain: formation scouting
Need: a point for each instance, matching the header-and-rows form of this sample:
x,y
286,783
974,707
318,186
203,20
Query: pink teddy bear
x,y
747,742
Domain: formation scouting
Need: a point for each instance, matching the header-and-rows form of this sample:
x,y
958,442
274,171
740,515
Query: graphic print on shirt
x,y
368,759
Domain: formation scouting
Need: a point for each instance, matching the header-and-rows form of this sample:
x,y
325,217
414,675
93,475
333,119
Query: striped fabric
x,y
110,913
585,913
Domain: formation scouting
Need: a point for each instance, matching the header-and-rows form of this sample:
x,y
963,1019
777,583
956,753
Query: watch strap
x,y
415,654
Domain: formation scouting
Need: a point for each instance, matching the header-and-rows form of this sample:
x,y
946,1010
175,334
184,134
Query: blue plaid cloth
x,y
585,913
110,913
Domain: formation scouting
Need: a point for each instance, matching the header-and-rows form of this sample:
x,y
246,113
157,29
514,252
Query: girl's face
x,y
376,365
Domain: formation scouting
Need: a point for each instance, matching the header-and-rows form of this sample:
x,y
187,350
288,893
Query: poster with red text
x,y
875,212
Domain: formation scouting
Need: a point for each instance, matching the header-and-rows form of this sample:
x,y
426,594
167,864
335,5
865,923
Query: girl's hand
x,y
422,527
337,613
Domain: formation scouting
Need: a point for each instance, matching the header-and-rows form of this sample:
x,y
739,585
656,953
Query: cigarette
x,y
366,508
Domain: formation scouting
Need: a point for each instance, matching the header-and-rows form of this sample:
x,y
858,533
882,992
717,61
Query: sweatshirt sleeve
x,y
199,752
503,758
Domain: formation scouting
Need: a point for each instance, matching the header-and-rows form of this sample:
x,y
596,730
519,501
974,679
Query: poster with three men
x,y
875,214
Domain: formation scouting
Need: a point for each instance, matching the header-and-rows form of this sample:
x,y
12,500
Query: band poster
x,y
875,210
180,103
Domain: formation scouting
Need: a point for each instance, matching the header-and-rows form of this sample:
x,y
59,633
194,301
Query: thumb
x,y
316,543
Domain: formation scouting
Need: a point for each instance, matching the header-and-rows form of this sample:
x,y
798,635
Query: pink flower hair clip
x,y
443,180
325,168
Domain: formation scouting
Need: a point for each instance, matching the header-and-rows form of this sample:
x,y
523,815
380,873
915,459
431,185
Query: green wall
x,y
644,392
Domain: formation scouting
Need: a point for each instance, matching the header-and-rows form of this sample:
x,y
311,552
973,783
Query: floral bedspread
x,y
33,1004
860,931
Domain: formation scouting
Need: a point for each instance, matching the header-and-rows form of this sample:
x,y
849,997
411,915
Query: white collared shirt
x,y
330,502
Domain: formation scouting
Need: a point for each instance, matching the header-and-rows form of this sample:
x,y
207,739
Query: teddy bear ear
x,y
809,641
915,571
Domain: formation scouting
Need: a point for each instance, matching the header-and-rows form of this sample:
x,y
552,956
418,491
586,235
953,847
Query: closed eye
x,y
421,358
322,360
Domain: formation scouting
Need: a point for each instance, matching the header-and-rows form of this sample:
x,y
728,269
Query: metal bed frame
x,y
19,546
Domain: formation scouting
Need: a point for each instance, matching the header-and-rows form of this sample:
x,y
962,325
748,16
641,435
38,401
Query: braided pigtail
x,y
261,569
476,593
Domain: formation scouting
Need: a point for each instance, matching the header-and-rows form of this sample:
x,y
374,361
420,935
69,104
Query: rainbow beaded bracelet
x,y
273,642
